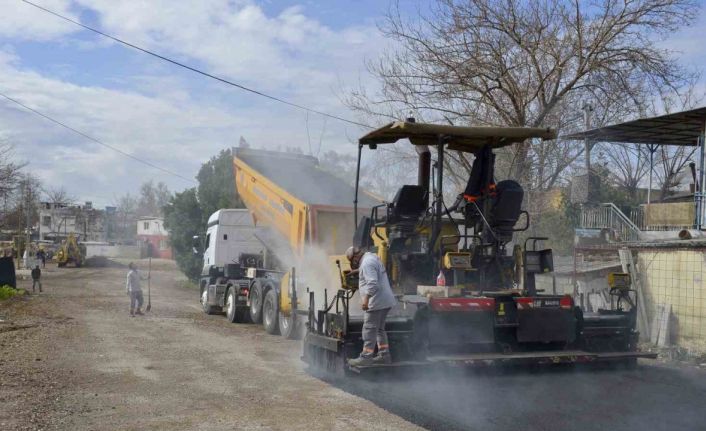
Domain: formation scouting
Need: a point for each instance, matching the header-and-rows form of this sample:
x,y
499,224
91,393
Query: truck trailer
x,y
297,214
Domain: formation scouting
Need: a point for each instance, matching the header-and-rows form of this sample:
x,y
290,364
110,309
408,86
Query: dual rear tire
x,y
270,312
274,321
235,313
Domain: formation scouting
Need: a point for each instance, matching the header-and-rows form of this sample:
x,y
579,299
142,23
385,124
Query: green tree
x,y
217,185
183,217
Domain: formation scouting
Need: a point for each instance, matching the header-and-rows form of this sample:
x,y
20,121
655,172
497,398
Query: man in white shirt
x,y
377,299
134,290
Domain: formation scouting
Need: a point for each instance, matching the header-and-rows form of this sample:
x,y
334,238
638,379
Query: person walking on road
x,y
36,276
134,290
41,255
377,299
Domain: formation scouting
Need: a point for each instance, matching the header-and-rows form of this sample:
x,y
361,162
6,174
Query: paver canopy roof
x,y
467,139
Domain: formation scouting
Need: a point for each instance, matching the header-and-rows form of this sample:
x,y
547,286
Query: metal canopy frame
x,y
681,128
686,128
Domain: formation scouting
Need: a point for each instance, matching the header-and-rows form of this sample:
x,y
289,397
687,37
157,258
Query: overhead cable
x,y
97,141
195,70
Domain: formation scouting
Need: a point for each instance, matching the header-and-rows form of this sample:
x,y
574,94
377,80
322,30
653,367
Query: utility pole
x,y
587,111
29,218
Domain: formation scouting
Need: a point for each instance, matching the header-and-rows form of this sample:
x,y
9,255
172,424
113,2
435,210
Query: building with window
x,y
151,233
57,221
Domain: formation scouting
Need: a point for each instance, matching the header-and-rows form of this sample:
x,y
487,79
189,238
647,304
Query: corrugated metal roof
x,y
302,177
467,139
680,128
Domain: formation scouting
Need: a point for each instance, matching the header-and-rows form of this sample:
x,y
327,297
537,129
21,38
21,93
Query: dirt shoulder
x,y
73,359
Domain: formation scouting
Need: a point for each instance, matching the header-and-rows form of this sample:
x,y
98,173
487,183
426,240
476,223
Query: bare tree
x,y
59,196
518,63
152,199
126,217
629,165
9,179
670,163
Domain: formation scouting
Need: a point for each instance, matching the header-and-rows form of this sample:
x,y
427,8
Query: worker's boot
x,y
360,361
139,312
383,358
132,313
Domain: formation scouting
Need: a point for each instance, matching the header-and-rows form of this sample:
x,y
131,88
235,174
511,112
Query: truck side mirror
x,y
196,244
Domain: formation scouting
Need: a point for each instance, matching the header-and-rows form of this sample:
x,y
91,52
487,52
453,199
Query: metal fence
x,y
670,279
674,285
608,216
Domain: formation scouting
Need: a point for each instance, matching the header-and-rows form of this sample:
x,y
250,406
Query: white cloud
x,y
288,53
24,22
165,115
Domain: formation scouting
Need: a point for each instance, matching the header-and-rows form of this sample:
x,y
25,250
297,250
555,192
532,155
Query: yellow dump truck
x,y
300,215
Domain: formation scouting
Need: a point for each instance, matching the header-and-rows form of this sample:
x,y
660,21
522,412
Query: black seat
x,y
507,208
409,204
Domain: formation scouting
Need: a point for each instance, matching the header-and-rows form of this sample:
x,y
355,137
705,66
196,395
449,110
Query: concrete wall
x,y
107,250
670,214
677,277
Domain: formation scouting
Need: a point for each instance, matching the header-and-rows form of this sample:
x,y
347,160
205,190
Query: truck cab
x,y
229,233
230,247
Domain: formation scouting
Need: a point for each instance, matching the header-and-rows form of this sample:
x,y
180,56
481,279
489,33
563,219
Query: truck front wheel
x,y
208,309
270,312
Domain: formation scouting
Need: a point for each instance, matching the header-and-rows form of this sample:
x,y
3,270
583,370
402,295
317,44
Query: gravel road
x,y
72,359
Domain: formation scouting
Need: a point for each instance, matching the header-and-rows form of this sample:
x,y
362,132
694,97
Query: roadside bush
x,y
7,292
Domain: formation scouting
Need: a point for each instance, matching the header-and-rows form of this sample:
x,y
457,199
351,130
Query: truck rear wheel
x,y
290,326
230,305
236,313
256,302
270,312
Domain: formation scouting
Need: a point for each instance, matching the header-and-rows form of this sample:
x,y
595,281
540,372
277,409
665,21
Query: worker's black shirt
x,y
36,273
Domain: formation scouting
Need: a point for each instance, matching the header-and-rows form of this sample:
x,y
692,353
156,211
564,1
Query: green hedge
x,y
7,292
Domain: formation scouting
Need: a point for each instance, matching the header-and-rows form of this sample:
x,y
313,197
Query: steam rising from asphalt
x,y
317,272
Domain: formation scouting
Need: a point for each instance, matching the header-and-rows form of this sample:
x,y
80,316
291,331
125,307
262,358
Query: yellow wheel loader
x,y
71,251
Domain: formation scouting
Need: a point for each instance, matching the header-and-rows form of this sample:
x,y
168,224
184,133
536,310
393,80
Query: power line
x,y
90,138
195,70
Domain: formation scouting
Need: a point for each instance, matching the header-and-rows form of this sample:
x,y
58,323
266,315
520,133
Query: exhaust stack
x,y
424,168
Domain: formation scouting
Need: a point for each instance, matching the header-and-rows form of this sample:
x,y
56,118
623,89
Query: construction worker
x,y
134,290
36,275
376,300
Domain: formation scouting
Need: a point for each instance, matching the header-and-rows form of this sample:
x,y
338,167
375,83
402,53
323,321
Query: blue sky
x,y
307,51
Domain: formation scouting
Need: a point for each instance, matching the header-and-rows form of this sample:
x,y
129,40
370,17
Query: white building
x,y
57,221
